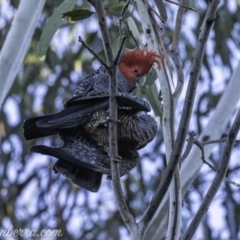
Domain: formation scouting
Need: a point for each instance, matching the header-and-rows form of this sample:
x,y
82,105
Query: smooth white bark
x,y
17,42
192,164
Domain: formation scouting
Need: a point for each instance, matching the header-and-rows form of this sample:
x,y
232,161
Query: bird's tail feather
x,y
88,180
31,130
83,174
62,154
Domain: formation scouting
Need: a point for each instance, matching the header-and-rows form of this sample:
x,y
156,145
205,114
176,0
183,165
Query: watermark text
x,y
25,232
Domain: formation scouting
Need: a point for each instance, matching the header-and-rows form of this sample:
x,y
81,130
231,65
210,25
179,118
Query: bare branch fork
x,y
192,140
222,169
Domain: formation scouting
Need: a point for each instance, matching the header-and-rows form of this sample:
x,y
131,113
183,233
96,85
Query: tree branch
x,y
219,177
201,147
182,5
92,52
17,42
168,114
113,119
173,52
187,110
214,129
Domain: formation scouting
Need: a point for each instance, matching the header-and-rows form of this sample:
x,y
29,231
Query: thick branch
x,y
17,42
113,138
168,119
187,110
214,129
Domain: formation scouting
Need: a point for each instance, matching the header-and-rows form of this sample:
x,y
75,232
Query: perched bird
x,y
83,158
82,124
133,65
91,94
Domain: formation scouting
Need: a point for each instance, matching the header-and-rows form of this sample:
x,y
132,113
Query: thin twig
x,y
173,52
221,172
183,6
120,48
152,10
201,147
92,52
180,78
125,8
190,141
218,141
134,39
178,27
166,63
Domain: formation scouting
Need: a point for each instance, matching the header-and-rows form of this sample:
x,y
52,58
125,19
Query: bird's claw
x,y
111,119
117,159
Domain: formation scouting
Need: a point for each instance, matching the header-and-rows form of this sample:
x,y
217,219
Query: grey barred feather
x,y
134,132
83,163
98,82
77,112
83,123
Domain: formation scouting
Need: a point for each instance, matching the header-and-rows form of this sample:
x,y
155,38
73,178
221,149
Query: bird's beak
x,y
141,80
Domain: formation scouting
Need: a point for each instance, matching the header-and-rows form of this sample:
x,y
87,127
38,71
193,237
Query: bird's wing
x,y
125,101
132,104
76,100
87,86
69,117
72,116
77,112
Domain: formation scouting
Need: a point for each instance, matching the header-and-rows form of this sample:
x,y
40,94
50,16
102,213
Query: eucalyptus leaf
x,y
78,14
152,76
54,22
115,46
151,94
115,8
133,28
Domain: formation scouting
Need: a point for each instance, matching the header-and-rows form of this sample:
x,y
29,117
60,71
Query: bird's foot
x,y
117,159
108,119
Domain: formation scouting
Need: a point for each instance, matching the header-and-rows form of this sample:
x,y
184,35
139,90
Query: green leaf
x,y
115,47
78,14
152,95
133,28
54,22
115,8
151,77
52,59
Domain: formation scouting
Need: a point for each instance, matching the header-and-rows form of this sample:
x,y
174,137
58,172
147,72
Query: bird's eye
x,y
135,71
